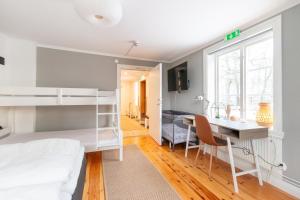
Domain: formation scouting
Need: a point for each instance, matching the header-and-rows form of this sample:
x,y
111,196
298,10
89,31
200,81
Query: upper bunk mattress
x,y
87,137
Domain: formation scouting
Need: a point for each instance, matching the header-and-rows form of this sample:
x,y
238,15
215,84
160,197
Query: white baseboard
x,y
275,179
282,184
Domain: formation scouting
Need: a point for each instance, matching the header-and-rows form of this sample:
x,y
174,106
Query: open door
x,y
155,103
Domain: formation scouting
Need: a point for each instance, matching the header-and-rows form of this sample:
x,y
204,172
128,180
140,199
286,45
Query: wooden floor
x,y
132,128
189,180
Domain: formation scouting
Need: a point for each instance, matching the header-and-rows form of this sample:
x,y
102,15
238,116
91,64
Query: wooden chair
x,y
206,136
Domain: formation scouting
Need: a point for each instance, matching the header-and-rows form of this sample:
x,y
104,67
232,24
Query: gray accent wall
x,y
166,103
59,68
184,101
291,90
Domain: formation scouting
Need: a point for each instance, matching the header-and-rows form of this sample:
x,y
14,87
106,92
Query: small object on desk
x,y
264,115
228,111
216,108
233,118
218,112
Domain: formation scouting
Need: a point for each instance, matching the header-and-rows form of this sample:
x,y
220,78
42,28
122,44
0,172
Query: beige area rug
x,y
131,128
135,178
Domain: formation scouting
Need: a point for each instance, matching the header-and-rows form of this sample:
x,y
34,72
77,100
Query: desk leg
x,y
198,152
235,183
204,148
187,141
255,157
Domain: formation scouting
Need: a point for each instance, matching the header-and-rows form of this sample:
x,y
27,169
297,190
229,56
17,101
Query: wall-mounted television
x,y
177,78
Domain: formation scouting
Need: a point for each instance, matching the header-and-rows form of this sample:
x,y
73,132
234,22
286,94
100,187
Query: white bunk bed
x,y
98,139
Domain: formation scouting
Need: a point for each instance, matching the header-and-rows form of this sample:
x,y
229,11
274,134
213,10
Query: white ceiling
x,y
166,29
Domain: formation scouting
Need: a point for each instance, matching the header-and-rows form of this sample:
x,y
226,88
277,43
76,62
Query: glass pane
x,y
229,81
259,76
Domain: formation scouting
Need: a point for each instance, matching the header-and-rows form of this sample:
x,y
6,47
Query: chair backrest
x,y
204,131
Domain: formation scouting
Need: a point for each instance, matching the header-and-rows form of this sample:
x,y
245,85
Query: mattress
x,y
176,134
45,160
72,183
78,193
85,136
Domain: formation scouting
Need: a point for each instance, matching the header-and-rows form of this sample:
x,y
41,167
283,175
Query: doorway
x,y
134,96
141,97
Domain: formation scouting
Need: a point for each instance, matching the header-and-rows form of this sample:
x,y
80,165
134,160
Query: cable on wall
x,y
134,44
246,151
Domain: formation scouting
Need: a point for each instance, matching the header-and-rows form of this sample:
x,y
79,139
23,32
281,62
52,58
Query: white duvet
x,y
41,169
48,191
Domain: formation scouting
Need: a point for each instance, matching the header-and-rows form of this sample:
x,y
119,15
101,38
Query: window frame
x,y
241,46
247,36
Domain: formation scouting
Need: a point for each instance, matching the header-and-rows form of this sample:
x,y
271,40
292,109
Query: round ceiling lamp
x,y
100,12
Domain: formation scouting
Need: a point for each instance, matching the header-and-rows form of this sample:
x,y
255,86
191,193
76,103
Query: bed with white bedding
x,y
41,169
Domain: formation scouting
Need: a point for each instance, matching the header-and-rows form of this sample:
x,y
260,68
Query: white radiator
x,y
270,149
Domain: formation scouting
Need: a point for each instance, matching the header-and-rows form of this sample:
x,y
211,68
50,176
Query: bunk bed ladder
x,y
114,130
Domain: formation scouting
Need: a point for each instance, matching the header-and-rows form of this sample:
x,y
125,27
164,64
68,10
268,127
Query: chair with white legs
x,y
206,136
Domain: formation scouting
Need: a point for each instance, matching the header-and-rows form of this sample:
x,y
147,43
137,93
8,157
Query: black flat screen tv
x,y
177,78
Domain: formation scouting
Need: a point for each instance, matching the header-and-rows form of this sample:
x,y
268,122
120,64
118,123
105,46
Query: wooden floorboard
x,y
94,186
190,180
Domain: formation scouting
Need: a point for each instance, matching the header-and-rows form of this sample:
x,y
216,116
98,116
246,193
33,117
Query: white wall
x,y
127,96
19,70
147,95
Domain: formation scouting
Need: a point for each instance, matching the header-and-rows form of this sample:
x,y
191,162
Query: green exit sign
x,y
233,35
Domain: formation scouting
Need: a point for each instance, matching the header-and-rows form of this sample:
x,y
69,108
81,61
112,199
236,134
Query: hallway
x,y
132,128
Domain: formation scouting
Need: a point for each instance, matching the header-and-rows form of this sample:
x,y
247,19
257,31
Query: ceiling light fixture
x,y
100,12
133,44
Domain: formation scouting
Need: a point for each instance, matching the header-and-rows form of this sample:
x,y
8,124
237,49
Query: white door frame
x,y
154,102
121,67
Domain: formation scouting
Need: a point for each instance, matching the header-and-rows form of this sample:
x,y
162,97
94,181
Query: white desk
x,y
238,130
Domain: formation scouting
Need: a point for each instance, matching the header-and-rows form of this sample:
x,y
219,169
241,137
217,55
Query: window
x,y
228,80
243,75
245,71
259,75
